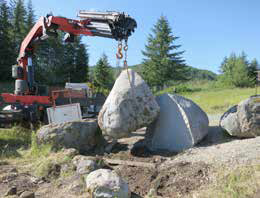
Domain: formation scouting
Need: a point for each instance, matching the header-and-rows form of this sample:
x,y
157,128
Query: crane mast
x,y
27,97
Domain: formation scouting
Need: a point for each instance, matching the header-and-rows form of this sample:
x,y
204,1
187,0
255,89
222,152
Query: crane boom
x,y
114,25
26,97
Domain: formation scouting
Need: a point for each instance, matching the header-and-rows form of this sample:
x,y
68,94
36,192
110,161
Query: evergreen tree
x,y
103,77
236,71
163,62
49,61
69,68
253,67
81,64
240,76
73,64
19,24
6,47
30,18
227,68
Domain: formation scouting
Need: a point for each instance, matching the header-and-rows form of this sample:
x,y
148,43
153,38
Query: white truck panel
x,y
64,113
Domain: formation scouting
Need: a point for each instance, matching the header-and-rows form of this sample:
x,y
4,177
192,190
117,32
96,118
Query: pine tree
x,y
74,67
19,24
81,63
163,62
240,76
49,61
103,78
236,71
253,67
68,71
6,47
30,18
226,69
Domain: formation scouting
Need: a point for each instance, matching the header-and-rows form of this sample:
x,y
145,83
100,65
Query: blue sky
x,y
208,29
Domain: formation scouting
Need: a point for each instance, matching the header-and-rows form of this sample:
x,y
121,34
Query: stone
x,y
180,125
229,121
243,120
129,106
86,164
105,183
71,152
81,135
27,194
11,191
77,186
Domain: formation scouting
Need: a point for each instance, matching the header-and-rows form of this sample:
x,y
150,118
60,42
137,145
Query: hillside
x,y
193,74
201,74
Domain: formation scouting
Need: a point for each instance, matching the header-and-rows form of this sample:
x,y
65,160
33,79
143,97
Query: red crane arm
x,y
44,24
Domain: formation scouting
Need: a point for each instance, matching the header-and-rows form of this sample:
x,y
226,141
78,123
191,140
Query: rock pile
x,y
243,120
129,106
180,125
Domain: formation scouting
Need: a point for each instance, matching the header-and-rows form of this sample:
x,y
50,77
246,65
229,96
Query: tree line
x,y
237,70
57,62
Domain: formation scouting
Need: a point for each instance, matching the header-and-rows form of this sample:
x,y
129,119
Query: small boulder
x,y
11,191
27,194
81,135
106,183
129,106
86,164
70,152
243,120
180,125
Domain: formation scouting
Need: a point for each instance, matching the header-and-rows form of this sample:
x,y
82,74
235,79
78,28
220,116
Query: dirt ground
x,y
176,181
173,175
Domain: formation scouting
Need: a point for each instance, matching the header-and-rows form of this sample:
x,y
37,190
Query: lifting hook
x,y
119,54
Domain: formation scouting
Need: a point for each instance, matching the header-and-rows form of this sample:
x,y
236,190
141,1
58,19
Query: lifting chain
x,y
125,49
119,56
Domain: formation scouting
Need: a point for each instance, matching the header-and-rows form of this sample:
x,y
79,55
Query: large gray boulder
x,y
180,125
81,135
129,106
105,183
243,120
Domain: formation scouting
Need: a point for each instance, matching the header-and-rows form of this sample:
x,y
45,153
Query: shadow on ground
x,y
216,135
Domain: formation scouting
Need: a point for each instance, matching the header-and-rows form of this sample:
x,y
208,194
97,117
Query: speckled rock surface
x,y
105,183
81,135
243,120
129,106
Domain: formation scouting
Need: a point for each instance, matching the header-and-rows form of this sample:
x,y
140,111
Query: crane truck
x,y
28,103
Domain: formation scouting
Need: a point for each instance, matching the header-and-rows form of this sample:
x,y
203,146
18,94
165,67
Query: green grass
x,y
238,183
12,140
219,100
21,142
210,96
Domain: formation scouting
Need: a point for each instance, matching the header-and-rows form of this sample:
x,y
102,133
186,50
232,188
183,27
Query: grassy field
x,y
238,183
219,100
210,97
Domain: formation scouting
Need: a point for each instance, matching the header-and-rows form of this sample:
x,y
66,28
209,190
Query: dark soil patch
x,y
9,177
176,181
